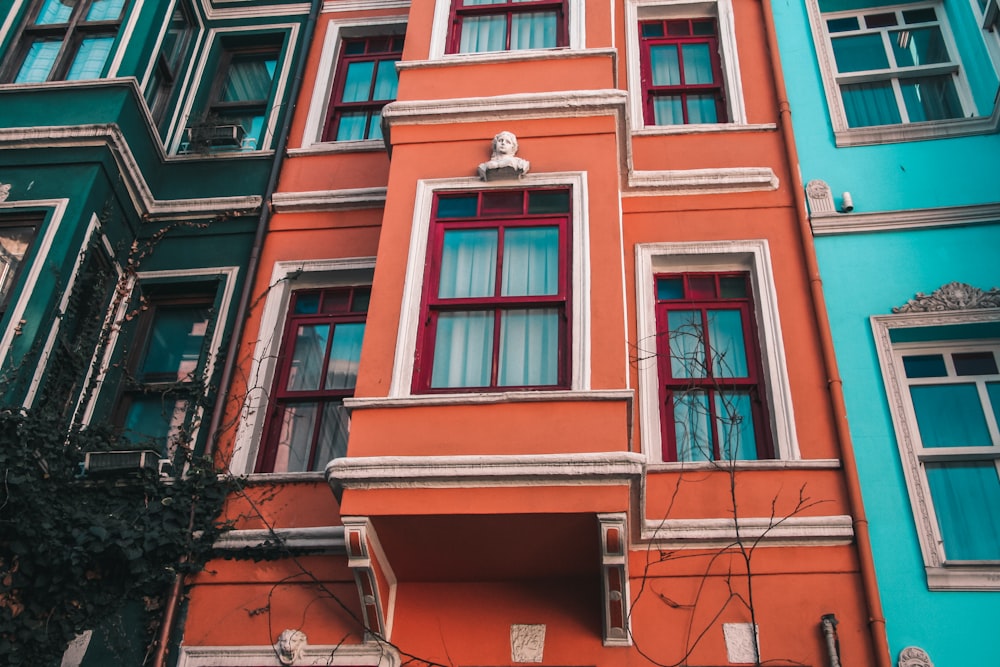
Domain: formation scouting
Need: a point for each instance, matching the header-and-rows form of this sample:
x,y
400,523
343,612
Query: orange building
x,y
591,420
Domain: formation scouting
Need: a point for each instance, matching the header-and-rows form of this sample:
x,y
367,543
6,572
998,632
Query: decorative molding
x,y
328,200
953,296
291,646
491,398
330,147
703,128
345,6
111,136
527,642
701,181
742,643
4,191
614,578
325,539
824,223
332,655
937,129
503,165
769,531
501,57
366,560
392,472
820,198
738,466
913,656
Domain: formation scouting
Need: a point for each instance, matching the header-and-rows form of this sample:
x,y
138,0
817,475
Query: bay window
x,y
496,299
365,81
895,65
65,41
480,26
709,363
682,79
318,367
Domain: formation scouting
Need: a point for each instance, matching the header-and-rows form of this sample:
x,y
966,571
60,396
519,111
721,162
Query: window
x,y
239,104
990,10
166,67
318,369
16,236
681,72
366,81
709,368
480,26
65,41
894,66
496,299
164,371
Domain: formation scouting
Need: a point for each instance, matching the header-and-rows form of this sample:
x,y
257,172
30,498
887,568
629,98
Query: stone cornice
x,y
328,539
701,181
328,200
771,531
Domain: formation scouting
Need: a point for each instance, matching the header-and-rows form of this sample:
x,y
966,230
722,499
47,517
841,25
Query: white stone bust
x,y
503,162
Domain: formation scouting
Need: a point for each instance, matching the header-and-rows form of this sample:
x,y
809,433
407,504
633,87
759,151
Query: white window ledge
x,y
739,466
702,181
327,147
979,577
328,200
540,396
772,531
938,129
519,55
703,128
329,539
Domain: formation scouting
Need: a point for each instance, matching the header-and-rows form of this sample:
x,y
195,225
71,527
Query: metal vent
x,y
123,461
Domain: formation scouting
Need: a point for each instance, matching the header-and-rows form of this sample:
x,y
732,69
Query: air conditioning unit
x,y
214,136
121,462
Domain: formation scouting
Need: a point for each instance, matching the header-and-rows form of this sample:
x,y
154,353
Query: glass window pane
x,y
468,263
333,431
725,336
931,98
105,10
687,344
918,46
375,125
463,350
345,353
924,366
697,63
38,62
732,287
249,79
457,207
967,503
734,421
993,392
868,104
702,109
692,430
880,20
358,82
669,288
155,422
295,437
176,340
950,415
386,81
306,303
530,261
351,126
483,33
307,357
922,15
974,363
529,348
497,203
90,58
668,110
665,65
14,243
54,12
842,25
548,201
859,53
533,30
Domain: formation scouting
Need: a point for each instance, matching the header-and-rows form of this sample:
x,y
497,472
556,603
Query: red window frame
x,y
335,306
501,210
680,32
354,50
507,8
702,292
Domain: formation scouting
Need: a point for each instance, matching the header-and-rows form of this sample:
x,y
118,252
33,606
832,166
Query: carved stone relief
x,y
953,296
820,197
527,643
503,163
4,191
911,656
290,646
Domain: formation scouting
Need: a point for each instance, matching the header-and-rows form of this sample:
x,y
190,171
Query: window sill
x,y
283,477
221,155
327,147
724,466
966,577
541,396
450,59
939,129
702,128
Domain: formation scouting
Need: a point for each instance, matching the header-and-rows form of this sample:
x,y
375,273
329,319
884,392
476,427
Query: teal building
x,y
895,112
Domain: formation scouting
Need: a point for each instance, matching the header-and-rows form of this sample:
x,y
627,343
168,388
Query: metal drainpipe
x,y
253,264
876,620
829,625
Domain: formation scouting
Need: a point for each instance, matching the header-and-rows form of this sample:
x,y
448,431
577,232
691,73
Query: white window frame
x,y
637,11
337,31
989,21
941,575
286,277
410,320
442,16
752,256
336,655
880,134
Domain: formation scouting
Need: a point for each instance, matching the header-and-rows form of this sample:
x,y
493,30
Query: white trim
x,y
575,26
579,304
484,398
214,39
917,218
125,37
214,11
345,6
334,655
397,472
328,200
40,253
701,181
286,276
792,531
328,539
319,103
748,255
941,575
6,29
641,10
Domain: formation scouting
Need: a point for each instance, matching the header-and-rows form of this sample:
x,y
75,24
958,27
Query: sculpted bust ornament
x,y
503,162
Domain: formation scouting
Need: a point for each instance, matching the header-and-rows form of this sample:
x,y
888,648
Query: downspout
x,y
876,620
253,264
